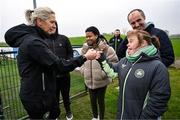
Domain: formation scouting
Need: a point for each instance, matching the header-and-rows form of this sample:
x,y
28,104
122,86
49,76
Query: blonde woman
x,y
37,63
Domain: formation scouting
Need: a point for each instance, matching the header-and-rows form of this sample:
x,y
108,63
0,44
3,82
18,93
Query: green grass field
x,y
176,46
174,107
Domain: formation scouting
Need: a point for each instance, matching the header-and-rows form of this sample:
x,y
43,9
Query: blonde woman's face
x,y
48,25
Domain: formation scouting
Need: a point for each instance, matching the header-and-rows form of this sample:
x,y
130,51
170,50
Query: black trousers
x,y
38,109
97,101
63,87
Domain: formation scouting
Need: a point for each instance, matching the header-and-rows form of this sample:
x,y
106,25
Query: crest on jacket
x,y
139,73
123,65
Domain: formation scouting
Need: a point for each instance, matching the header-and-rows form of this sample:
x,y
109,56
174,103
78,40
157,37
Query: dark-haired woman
x,y
96,79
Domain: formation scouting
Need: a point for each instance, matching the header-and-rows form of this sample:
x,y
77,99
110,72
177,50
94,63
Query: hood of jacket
x,y
145,57
148,26
54,36
15,35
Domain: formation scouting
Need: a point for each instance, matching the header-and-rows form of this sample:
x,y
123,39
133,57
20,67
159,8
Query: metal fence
x,y
10,83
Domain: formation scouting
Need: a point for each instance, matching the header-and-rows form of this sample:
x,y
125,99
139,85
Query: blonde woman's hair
x,y
41,12
143,35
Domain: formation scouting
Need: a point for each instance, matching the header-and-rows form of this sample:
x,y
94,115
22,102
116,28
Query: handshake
x,y
92,54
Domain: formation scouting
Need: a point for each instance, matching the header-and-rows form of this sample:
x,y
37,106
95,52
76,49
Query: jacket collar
x,y
149,26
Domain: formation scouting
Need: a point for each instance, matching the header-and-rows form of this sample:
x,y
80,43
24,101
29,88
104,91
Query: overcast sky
x,y
74,16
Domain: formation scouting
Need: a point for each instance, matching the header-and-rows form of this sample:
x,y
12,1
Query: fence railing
x,y
10,83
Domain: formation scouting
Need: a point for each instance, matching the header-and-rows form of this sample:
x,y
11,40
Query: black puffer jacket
x,y
36,63
166,49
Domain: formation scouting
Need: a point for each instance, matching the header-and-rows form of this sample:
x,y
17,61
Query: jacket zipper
x,y
53,46
91,74
146,99
115,42
122,109
43,82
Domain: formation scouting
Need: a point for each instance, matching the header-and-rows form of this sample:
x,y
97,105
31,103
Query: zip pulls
x,y
91,74
122,109
53,46
146,99
43,82
123,92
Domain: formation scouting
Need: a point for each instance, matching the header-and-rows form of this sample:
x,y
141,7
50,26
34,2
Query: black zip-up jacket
x,y
36,63
61,47
166,48
115,42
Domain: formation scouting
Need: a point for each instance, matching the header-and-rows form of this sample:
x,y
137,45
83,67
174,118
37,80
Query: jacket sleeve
x,y
65,66
81,70
122,49
39,52
111,42
83,51
166,49
111,55
159,94
109,69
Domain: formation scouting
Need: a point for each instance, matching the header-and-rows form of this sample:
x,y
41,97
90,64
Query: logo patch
x,y
60,44
123,65
139,73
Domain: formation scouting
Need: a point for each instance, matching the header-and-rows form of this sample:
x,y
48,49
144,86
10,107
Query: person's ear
x,y
39,22
144,43
96,37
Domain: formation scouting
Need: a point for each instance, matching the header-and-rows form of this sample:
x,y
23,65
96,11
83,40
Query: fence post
x,y
1,109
